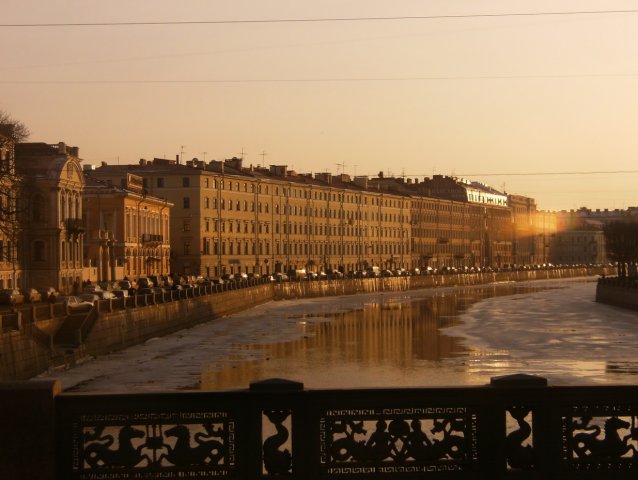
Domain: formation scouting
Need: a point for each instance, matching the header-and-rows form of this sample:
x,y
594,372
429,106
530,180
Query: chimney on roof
x,y
324,177
234,162
361,181
177,159
143,162
61,147
278,170
381,174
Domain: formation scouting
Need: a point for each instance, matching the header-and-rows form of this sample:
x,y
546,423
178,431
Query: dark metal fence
x,y
517,427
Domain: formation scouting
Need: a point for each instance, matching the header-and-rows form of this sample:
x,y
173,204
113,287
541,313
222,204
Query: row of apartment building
x,y
76,223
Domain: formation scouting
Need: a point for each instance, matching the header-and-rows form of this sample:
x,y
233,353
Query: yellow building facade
x,y
228,219
127,230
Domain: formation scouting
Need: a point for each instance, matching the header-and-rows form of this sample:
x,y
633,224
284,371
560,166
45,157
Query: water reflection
x,y
443,336
388,341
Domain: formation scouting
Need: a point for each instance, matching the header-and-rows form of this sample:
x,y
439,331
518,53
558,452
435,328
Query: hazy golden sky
x,y
463,96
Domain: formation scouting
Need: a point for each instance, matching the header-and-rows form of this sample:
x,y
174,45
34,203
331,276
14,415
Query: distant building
x,y
579,247
54,239
524,242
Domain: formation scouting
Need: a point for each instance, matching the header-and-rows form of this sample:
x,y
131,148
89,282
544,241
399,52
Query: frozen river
x,y
447,336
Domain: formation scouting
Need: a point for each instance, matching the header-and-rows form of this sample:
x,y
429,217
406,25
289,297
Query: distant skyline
x,y
516,95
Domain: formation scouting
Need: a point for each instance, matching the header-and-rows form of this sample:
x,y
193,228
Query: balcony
x,y
152,239
74,226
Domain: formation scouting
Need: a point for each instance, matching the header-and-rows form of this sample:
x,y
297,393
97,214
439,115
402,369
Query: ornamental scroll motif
x,y
398,440
602,438
113,445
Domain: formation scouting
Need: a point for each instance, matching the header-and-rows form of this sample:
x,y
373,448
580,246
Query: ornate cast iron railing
x,y
517,427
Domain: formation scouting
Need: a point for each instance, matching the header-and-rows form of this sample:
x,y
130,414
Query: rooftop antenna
x,y
263,158
181,153
204,153
343,167
242,153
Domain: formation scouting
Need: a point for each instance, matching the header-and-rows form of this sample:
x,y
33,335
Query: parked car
x,y
31,295
89,297
281,277
74,303
104,294
241,277
120,293
144,282
11,297
90,288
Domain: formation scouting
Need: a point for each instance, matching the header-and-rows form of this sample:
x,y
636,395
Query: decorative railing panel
x,y
515,428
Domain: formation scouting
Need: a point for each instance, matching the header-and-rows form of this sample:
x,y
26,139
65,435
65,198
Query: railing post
x,y
519,417
27,429
278,443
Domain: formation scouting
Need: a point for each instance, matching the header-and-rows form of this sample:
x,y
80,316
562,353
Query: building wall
x,y
579,247
53,246
229,222
128,233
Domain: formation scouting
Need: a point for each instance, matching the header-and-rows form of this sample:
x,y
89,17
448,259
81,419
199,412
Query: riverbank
x,y
24,355
619,292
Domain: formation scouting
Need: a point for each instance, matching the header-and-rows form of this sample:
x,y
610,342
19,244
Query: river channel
x,y
445,336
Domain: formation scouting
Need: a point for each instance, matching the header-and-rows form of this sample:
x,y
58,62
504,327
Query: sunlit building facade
x,y
54,235
127,230
230,219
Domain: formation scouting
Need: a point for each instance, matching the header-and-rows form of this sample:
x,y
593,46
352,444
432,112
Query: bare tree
x,y
13,130
13,191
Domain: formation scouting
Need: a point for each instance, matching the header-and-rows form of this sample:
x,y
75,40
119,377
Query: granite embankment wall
x,y
619,292
351,286
28,350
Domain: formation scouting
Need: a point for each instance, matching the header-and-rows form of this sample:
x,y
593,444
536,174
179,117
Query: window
x,y
206,202
160,182
187,202
186,182
187,248
187,225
